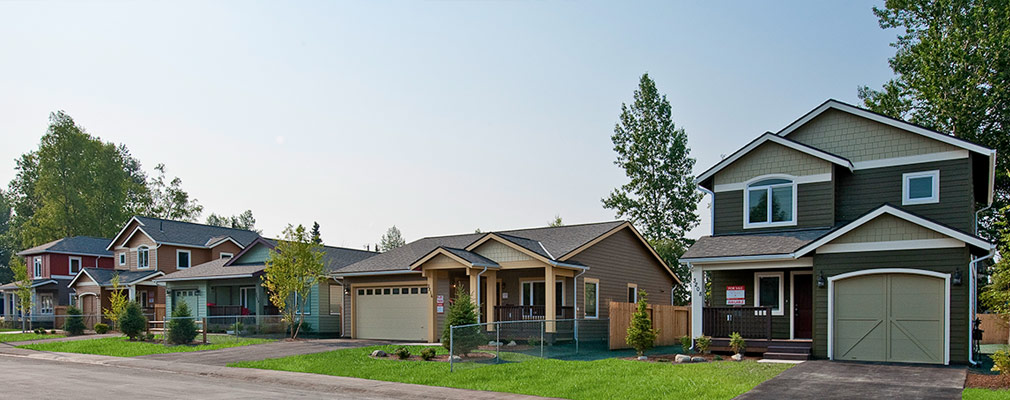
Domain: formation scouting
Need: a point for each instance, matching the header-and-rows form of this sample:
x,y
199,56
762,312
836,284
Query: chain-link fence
x,y
55,321
258,326
517,341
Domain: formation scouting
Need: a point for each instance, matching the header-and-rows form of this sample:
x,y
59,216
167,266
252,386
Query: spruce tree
x,y
182,328
641,335
462,312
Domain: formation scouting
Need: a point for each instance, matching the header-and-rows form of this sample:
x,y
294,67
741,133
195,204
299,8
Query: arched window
x,y
770,202
143,257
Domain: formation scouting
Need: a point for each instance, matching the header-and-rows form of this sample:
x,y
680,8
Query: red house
x,y
52,266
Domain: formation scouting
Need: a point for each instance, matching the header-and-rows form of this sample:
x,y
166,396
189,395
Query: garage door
x,y
393,312
889,317
185,296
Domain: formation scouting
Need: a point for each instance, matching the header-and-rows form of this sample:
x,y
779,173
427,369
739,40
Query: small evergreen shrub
x,y
737,343
703,343
685,344
52,331
150,337
534,341
462,312
181,328
132,322
427,354
717,357
641,335
101,328
402,353
1001,361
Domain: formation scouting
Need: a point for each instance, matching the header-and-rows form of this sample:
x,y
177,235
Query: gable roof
x,y
771,137
79,245
34,284
187,234
103,276
459,255
334,258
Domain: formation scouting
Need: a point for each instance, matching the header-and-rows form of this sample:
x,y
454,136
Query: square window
x,y
361,292
75,265
396,290
369,292
405,290
385,291
424,290
920,188
413,290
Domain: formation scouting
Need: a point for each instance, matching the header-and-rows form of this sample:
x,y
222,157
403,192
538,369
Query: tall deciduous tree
x,y
952,68
23,289
169,200
660,197
292,268
245,220
6,247
391,240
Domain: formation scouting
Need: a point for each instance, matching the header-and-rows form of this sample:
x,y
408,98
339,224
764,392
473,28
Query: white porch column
x,y
550,300
697,287
132,290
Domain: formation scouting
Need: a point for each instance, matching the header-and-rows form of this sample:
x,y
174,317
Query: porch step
x,y
779,349
786,356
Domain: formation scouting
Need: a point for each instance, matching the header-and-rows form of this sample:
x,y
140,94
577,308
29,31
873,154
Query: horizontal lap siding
x,y
745,278
939,260
814,209
618,260
864,190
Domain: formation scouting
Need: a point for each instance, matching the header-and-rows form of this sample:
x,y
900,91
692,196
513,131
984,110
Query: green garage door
x,y
186,296
889,317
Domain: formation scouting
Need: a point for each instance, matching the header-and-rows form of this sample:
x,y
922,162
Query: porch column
x,y
550,299
474,287
491,294
697,287
132,292
432,305
258,305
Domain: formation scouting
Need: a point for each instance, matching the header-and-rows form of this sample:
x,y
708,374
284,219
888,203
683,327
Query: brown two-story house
x,y
147,248
846,235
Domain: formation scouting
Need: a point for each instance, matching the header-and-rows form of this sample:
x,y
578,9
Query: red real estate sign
x,y
735,296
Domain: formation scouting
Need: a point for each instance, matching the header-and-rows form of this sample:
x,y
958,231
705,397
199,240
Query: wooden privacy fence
x,y
995,327
672,322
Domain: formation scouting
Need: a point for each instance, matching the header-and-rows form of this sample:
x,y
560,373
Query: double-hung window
x,y
920,187
37,271
122,258
143,257
770,202
592,298
182,259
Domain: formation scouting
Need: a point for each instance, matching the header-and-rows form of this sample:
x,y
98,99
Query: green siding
x,y
864,190
256,255
201,302
721,279
814,209
939,260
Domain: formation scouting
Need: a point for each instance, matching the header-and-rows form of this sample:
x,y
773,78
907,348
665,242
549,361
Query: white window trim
x,y
222,255
330,302
308,305
37,267
70,261
746,202
632,285
522,299
935,198
140,250
757,290
189,259
592,281
122,258
52,305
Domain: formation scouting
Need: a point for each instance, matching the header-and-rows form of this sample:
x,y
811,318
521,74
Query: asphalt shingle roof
x,y
334,258
76,245
471,257
104,276
35,283
752,244
192,234
557,241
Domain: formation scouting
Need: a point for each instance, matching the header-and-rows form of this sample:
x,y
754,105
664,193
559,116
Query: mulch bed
x,y
986,381
670,358
440,358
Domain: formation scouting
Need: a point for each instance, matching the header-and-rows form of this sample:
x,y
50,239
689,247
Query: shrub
x,y
1001,361
641,335
237,328
685,343
737,343
101,328
717,357
462,312
403,353
703,343
181,328
427,354
132,322
534,341
52,332
303,328
150,337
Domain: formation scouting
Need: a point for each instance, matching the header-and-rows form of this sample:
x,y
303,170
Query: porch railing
x,y
749,322
227,310
530,313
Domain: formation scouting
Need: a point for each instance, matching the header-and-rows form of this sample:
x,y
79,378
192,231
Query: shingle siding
x,y
861,139
771,158
814,209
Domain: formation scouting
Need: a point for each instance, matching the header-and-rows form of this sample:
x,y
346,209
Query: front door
x,y
803,306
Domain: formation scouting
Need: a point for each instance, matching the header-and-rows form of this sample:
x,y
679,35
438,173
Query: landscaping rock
x,y
642,358
512,343
494,343
680,358
737,357
698,359
456,358
379,353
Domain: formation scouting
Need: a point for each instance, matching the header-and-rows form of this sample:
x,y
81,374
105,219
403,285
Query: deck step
x,y
789,349
786,356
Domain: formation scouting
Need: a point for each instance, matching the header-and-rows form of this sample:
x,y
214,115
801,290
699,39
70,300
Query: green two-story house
x,y
846,235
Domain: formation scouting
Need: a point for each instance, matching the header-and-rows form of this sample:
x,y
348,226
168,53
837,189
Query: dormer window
x,y
38,268
770,202
143,257
920,188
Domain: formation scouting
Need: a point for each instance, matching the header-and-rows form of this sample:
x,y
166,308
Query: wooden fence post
x,y
204,330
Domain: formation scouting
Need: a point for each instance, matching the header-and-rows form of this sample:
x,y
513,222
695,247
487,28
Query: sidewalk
x,y
302,381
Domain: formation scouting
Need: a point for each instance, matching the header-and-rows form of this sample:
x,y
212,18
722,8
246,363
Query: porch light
x,y
196,292
956,279
347,291
821,281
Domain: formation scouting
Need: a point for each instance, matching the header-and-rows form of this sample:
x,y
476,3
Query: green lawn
x,y
22,337
985,394
121,347
600,379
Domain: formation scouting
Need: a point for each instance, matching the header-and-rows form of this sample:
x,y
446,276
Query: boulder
x,y
737,357
698,359
512,343
642,358
379,353
680,358
456,358
494,343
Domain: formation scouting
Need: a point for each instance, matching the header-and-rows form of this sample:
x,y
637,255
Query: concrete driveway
x,y
280,348
822,380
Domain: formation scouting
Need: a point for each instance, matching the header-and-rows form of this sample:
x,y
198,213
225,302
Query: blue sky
x,y
438,117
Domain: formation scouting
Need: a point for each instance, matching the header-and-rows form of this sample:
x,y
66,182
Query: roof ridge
x,y
528,229
195,223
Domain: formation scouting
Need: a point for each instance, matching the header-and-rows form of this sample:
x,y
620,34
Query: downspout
x,y
972,292
477,300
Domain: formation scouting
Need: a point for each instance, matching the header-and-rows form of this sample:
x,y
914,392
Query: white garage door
x,y
393,313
